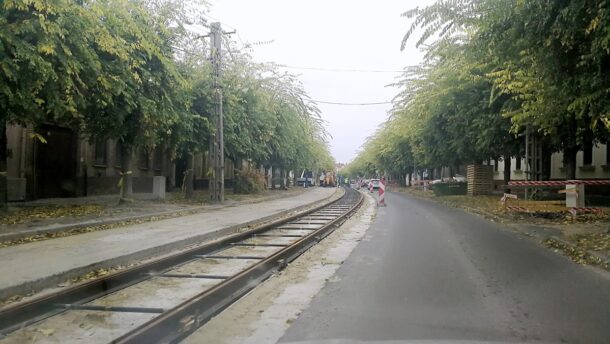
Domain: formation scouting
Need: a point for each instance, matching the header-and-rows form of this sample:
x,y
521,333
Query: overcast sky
x,y
331,34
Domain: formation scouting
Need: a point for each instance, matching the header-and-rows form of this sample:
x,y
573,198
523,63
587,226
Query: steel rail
x,y
24,314
178,322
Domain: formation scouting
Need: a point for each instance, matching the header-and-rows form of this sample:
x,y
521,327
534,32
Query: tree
x,y
141,98
48,65
136,71
549,57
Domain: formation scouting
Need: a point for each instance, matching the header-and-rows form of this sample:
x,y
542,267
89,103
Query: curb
x,y
52,229
35,286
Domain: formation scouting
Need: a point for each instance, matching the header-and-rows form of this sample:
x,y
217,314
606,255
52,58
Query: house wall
x,y
103,177
201,167
19,162
599,168
95,177
91,178
515,174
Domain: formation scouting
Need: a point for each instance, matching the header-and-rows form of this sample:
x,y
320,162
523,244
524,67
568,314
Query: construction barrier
x,y
558,182
546,207
574,189
382,192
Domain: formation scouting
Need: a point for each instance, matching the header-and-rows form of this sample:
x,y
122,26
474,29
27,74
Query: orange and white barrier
x,y
506,197
382,193
558,182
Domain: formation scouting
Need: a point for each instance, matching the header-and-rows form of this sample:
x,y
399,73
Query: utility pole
x,y
216,156
527,157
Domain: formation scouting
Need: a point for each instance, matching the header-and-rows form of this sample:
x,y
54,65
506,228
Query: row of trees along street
x,y
492,70
137,71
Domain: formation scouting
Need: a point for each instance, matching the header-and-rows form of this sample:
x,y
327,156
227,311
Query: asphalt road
x,y
427,272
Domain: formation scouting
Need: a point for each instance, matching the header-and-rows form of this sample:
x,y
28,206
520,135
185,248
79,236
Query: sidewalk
x,y
49,218
37,265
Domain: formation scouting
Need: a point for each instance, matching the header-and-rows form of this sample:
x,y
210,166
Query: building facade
x,y
69,164
593,163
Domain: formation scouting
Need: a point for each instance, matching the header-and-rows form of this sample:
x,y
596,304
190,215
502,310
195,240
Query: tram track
x,y
165,300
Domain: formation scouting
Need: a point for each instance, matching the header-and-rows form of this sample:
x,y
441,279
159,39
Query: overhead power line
x,y
341,70
349,104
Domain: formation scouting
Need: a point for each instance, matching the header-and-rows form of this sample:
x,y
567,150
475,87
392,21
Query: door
x,y
181,167
56,163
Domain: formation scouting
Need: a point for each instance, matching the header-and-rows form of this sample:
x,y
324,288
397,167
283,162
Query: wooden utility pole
x,y
216,155
533,158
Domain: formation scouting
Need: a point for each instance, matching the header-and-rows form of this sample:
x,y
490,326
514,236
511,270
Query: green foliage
x,y
47,60
493,69
135,71
144,99
248,182
549,57
443,117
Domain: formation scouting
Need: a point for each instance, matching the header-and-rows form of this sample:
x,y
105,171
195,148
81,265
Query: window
x,y
587,156
518,163
118,155
608,153
496,163
99,158
143,159
158,158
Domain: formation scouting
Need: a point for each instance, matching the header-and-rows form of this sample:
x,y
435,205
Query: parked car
x,y
375,183
305,178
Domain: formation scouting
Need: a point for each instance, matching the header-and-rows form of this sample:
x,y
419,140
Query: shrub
x,y
248,182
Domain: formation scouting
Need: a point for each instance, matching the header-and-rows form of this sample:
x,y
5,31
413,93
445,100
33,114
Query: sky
x,y
331,34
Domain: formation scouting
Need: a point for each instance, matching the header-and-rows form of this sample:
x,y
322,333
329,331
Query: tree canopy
x,y
137,71
494,69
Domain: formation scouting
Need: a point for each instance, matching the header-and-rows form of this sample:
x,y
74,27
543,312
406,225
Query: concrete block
x,y
575,196
159,187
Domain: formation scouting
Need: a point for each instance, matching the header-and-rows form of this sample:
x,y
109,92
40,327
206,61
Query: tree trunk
x,y
266,177
273,173
3,167
188,183
126,156
410,179
282,171
507,168
569,162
